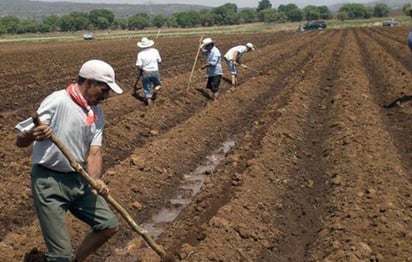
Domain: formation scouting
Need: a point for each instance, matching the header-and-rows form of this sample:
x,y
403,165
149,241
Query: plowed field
x,y
308,160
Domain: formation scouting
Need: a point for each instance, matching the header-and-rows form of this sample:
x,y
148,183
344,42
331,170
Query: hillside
x,y
393,4
28,9
38,10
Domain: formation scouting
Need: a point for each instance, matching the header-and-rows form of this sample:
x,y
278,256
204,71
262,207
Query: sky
x,y
214,3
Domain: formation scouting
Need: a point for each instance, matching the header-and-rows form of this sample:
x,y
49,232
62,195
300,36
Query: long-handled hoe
x,y
194,65
250,68
79,169
135,86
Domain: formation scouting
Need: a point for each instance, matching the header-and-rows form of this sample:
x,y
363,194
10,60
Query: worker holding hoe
x,y
147,64
213,65
233,59
73,114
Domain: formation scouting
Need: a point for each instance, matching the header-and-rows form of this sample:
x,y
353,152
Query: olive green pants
x,y
54,194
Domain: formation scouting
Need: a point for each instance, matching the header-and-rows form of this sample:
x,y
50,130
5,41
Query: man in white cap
x,y
233,59
75,117
147,64
213,65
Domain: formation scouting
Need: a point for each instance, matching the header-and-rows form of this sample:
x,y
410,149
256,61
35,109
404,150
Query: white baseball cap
x,y
100,71
251,46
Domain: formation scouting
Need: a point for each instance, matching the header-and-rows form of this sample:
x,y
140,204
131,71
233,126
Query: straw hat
x,y
207,41
145,43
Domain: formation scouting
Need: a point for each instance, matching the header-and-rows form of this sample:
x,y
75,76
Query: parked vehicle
x,y
88,36
391,22
311,25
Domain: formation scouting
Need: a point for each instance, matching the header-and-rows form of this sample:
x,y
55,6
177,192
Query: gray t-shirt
x,y
68,122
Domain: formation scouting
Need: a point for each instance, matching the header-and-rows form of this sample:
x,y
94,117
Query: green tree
x,y
368,12
206,17
119,23
226,14
295,15
269,15
45,28
67,23
139,21
311,12
10,24
407,9
159,21
53,22
325,12
292,12
342,15
29,26
2,29
75,21
281,17
381,10
187,19
172,21
356,11
248,15
101,23
264,4
101,18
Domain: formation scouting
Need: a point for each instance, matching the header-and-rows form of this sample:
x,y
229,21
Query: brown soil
x,y
320,169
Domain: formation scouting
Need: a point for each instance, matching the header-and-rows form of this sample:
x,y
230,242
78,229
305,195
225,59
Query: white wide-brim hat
x,y
207,41
100,71
145,43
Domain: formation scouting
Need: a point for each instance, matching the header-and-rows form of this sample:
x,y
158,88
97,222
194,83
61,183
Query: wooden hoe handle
x,y
194,66
80,170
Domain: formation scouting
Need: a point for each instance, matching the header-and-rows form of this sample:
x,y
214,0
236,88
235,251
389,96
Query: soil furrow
x,y
397,117
362,155
394,48
307,195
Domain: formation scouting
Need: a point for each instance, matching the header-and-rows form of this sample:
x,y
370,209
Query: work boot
x,y
35,255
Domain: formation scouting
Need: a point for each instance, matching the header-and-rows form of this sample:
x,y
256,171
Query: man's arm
x,y
94,162
94,168
236,59
26,138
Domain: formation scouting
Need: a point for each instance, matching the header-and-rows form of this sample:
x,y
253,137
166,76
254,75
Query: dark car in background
x,y
390,22
312,25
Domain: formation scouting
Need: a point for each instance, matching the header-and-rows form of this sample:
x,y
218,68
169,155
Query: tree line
x,y
227,14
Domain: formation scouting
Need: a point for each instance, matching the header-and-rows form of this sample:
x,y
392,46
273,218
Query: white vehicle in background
x,y
88,36
390,22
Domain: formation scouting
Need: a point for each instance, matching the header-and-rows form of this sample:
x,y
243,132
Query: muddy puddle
x,y
190,186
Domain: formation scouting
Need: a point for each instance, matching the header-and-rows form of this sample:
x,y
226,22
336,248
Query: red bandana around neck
x,y
74,91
